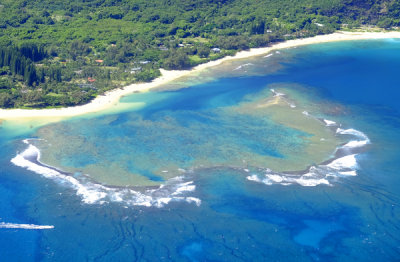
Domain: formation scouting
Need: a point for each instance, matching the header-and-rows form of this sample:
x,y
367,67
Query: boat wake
x,y
23,226
173,190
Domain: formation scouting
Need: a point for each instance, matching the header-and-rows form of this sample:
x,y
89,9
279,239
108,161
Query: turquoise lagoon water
x,y
223,147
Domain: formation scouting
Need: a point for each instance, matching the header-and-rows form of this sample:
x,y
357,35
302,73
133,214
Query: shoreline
x,y
111,98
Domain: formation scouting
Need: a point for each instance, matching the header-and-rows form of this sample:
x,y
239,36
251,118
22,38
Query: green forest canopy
x,y
59,53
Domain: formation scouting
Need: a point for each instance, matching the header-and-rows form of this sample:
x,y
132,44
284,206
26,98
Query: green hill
x,y
59,53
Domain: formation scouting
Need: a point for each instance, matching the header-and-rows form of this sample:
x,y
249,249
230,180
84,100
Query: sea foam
x,y
361,138
276,93
349,162
175,189
242,66
344,164
329,122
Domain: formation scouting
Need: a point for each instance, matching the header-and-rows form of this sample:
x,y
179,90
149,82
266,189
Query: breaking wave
x,y
278,94
329,122
242,66
173,190
343,164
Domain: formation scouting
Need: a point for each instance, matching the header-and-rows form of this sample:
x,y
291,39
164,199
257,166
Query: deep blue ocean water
x,y
357,218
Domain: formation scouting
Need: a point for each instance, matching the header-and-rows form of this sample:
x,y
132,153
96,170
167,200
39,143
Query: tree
x,y
385,23
258,27
177,60
30,75
6,100
203,51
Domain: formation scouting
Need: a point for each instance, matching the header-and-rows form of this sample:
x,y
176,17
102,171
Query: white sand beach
x,y
111,98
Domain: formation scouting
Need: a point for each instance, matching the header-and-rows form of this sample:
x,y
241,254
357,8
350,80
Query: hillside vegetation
x,y
59,53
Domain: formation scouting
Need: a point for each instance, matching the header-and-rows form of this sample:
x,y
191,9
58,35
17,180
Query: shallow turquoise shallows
x,y
290,157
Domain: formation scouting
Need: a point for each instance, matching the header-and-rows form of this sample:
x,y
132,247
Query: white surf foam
x,y
316,175
349,162
269,55
345,165
362,139
24,226
353,132
254,178
349,173
292,105
185,187
276,93
275,178
92,193
193,200
241,66
312,182
355,143
285,180
329,122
